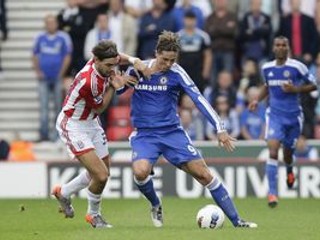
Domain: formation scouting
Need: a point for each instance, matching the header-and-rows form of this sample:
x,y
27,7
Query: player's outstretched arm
x,y
117,81
137,64
226,141
262,95
290,88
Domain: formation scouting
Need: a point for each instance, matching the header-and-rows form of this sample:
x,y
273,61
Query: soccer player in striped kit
x,y
79,127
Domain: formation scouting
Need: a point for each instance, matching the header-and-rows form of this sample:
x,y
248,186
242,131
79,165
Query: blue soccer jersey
x,y
51,50
155,100
284,116
280,102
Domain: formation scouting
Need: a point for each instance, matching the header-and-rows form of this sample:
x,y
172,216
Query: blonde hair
x,y
168,41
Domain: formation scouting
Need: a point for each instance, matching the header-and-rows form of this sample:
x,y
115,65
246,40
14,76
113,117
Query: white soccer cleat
x,y
244,224
157,216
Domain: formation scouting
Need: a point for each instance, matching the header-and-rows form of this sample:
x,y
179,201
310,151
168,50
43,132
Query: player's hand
x,y
130,81
117,81
40,75
288,87
226,141
253,105
140,66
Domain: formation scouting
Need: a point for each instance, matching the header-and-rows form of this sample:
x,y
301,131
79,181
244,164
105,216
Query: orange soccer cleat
x,y
272,200
290,180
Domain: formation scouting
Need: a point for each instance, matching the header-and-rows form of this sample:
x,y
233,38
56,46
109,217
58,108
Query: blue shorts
x,y
171,142
286,130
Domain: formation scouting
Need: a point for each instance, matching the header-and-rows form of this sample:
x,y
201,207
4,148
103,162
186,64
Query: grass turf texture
x,y
39,219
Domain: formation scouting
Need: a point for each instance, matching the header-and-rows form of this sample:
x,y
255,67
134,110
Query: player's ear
x,y
95,59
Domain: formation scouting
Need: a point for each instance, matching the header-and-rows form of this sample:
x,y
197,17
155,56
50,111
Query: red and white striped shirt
x,y
85,94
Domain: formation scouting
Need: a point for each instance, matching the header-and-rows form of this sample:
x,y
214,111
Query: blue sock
x,y
272,175
222,198
147,189
289,166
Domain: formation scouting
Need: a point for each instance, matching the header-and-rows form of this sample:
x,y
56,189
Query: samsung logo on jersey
x,y
151,87
277,82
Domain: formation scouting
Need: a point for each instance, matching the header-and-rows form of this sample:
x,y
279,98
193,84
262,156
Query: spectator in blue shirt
x,y
179,13
51,58
304,151
152,23
253,123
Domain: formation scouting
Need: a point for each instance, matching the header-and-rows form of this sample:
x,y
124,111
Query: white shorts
x,y
82,136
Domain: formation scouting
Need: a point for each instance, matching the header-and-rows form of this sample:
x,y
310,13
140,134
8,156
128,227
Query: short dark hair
x,y
168,41
190,14
105,49
281,37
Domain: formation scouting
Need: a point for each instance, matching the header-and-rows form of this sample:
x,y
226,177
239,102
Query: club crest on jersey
x,y
163,80
286,73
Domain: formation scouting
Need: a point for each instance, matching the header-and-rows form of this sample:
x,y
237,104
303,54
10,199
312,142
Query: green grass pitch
x,y
293,219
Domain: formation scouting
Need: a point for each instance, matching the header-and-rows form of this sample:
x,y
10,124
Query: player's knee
x,y
141,174
273,154
141,171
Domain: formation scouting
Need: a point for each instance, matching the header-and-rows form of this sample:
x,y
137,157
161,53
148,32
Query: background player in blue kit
x,y
284,78
158,130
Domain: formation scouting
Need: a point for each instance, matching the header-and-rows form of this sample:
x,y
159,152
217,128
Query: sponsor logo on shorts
x,y
80,144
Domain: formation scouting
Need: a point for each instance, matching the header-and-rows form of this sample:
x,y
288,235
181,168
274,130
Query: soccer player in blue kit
x,y
158,130
284,79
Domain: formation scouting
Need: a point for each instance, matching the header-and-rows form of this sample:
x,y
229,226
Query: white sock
x,y
75,185
94,202
214,184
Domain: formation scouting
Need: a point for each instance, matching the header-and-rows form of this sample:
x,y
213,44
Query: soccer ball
x,y
210,216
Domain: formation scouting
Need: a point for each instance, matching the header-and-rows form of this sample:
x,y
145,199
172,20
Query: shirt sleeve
x,y
36,46
202,104
305,74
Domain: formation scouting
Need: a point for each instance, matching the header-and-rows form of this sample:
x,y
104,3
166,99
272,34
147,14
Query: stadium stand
x,y
19,104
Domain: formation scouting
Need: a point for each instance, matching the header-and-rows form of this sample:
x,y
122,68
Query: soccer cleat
x,y
65,203
290,180
244,224
97,221
157,216
272,200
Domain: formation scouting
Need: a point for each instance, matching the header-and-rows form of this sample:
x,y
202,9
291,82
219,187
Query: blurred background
x,y
224,42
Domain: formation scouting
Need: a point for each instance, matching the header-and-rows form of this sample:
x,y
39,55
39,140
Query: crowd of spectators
x,y
223,44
